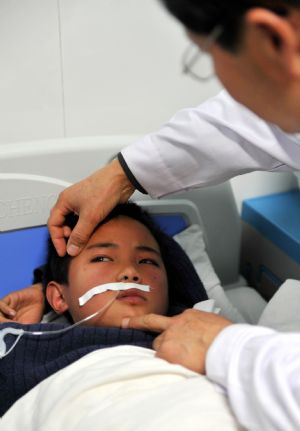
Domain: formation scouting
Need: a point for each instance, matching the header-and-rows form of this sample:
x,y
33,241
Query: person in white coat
x,y
255,46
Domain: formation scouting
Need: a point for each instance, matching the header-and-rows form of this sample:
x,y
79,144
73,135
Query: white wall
x,y
30,86
97,67
90,67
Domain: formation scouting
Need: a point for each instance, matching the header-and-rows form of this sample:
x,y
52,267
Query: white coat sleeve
x,y
260,371
207,145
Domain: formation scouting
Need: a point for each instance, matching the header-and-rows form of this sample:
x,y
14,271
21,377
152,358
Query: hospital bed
x,y
207,225
31,176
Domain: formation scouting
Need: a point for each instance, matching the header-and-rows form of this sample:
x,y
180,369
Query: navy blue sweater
x,y
36,357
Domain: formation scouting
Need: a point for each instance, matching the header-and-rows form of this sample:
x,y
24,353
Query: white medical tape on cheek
x,y
110,286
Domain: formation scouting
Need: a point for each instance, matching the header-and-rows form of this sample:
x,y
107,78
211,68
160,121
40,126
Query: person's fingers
x,y
91,209
56,229
4,319
92,199
150,322
59,241
6,309
67,231
158,342
78,237
82,232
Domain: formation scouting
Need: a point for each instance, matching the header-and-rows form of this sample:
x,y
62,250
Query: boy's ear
x,y
55,297
273,42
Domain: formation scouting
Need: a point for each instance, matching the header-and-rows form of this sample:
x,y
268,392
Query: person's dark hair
x,y
185,287
202,16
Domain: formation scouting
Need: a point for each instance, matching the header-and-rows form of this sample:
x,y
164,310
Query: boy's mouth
x,y
132,296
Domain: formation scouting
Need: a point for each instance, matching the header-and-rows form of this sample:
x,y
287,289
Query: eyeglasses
x,y
196,60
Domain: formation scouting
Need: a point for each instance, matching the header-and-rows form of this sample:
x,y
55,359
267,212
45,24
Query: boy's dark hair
x,y
202,16
185,287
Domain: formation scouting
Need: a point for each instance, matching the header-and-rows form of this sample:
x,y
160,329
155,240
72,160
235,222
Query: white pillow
x,y
192,242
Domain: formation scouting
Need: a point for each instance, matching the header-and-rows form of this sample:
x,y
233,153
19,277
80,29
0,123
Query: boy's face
x,y
121,250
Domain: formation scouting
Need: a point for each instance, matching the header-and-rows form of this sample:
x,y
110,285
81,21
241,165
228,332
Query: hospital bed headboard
x,y
32,175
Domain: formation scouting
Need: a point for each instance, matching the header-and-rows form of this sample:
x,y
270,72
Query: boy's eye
x,y
149,261
101,259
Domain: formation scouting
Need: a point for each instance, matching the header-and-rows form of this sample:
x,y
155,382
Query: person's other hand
x,y
23,306
184,339
92,199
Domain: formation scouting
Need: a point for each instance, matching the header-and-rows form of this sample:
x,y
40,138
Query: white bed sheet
x,y
120,389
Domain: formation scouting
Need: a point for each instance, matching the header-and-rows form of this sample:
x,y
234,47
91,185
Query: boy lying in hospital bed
x,y
126,248
178,397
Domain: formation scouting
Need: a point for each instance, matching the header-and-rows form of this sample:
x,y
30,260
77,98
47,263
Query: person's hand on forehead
x,y
92,199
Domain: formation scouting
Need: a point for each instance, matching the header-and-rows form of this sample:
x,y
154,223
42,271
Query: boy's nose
x,y
129,275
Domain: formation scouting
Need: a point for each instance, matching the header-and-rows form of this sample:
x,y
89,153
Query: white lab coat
x,y
207,145
259,369
213,142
